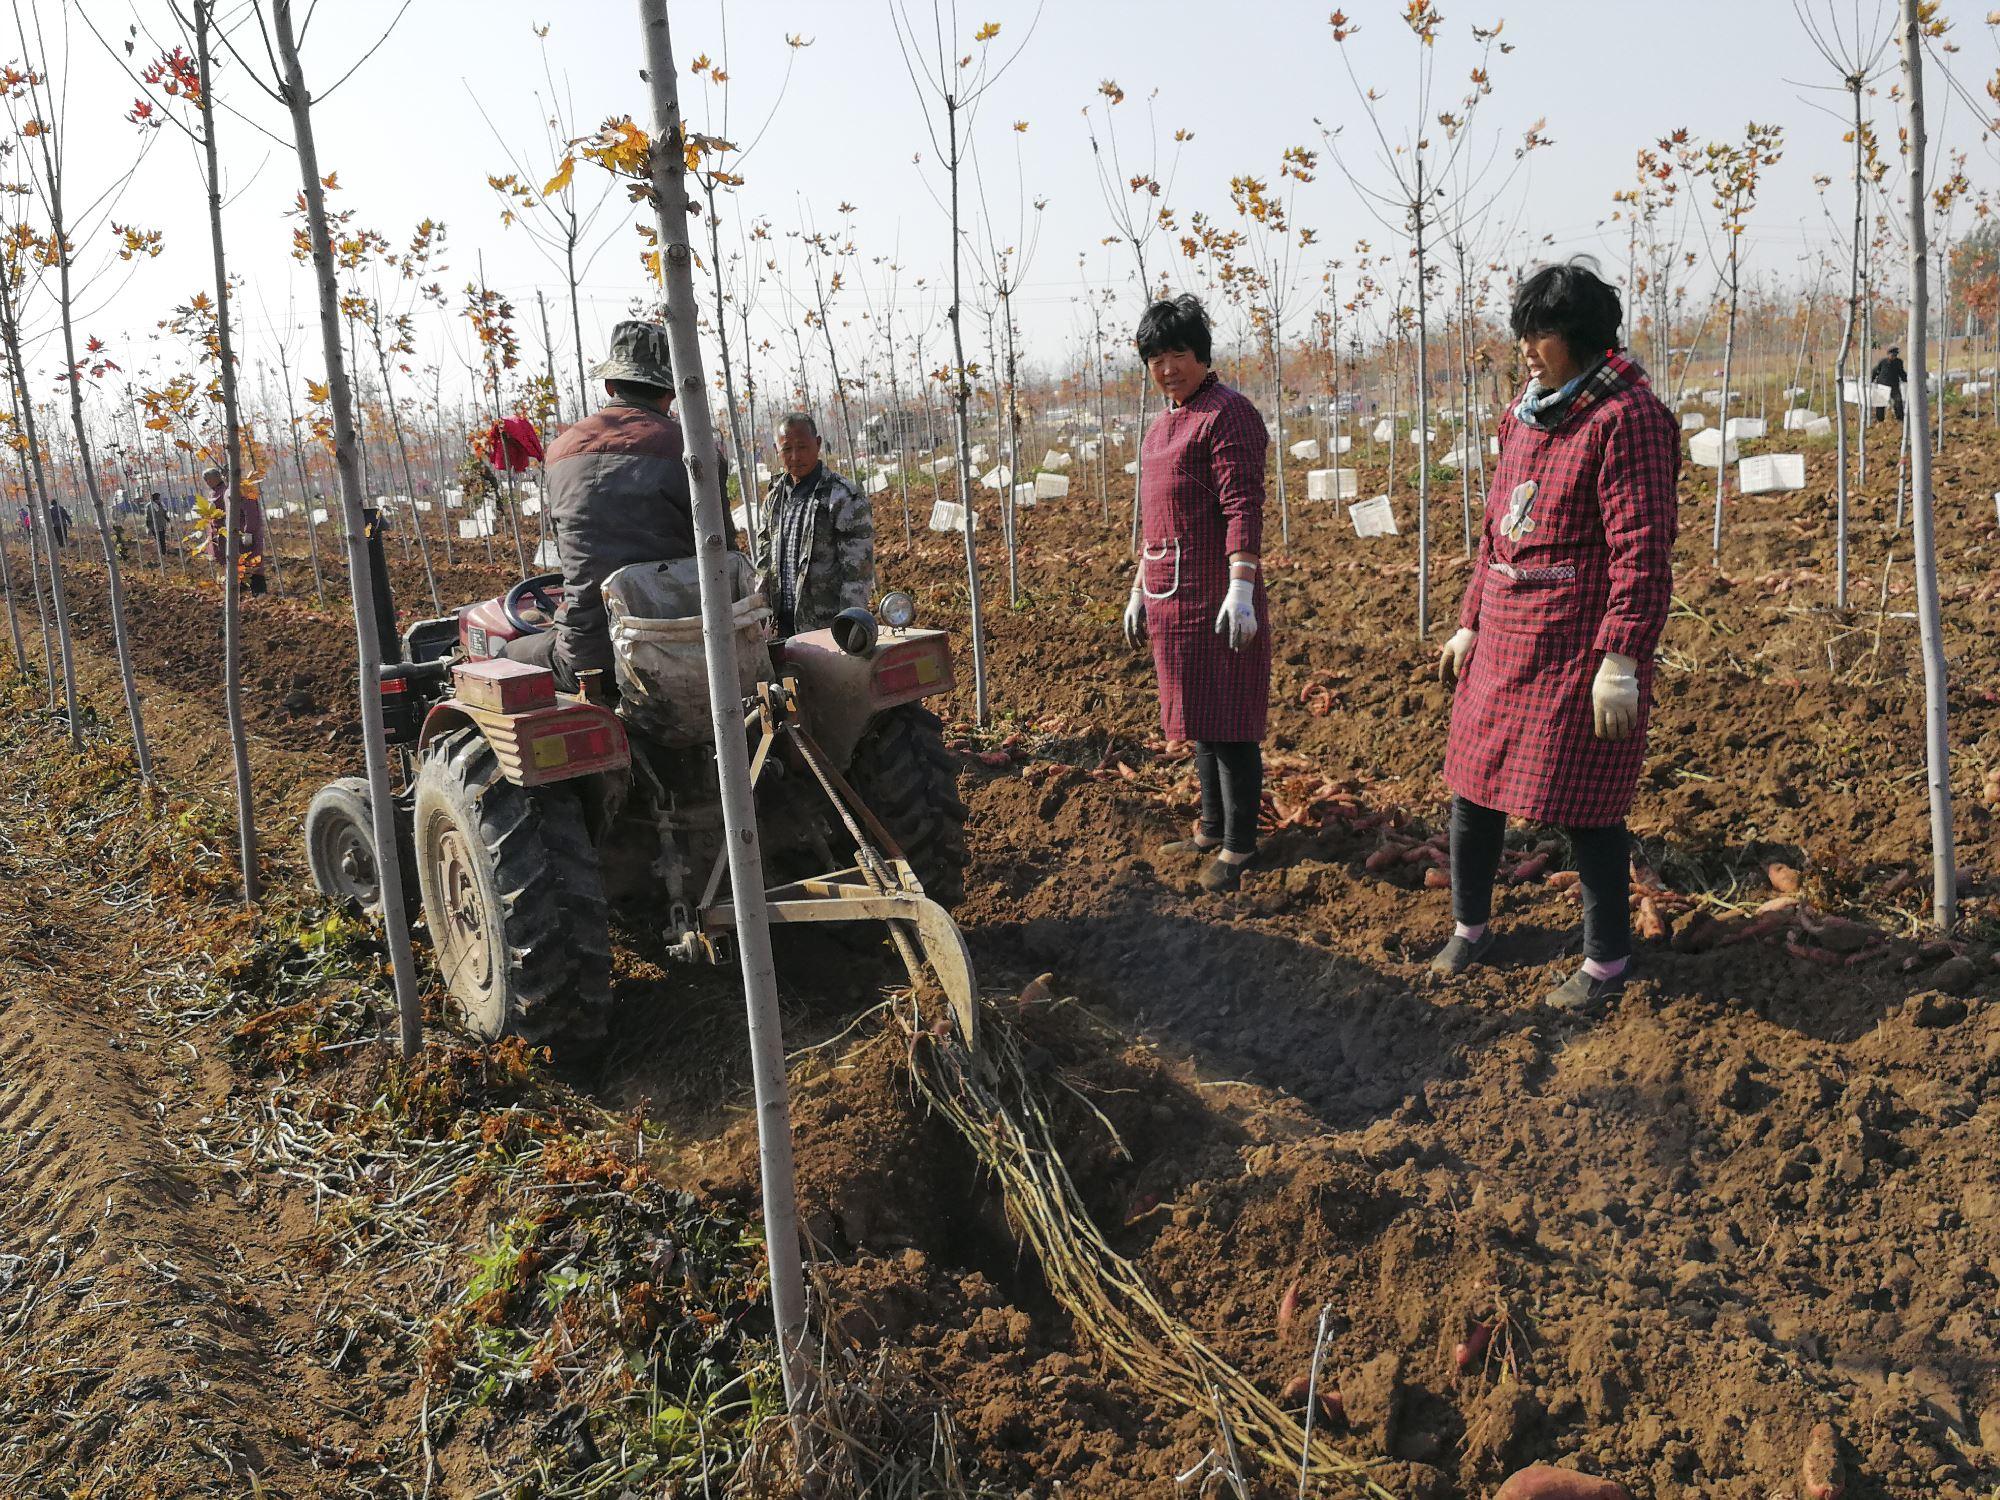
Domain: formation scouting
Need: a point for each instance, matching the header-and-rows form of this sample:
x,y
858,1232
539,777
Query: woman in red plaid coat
x,y
1198,593
1553,659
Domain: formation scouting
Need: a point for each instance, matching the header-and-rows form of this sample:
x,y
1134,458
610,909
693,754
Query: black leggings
x,y
1232,789
1603,865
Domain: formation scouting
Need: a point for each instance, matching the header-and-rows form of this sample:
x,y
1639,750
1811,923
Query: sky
x,y
417,128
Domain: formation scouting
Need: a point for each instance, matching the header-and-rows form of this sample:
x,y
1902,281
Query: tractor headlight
x,y
897,610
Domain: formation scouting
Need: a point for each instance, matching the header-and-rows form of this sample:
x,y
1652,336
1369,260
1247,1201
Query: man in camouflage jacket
x,y
816,536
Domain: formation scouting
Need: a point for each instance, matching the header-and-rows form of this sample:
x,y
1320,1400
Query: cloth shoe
x,y
1582,995
1190,845
1460,954
1223,876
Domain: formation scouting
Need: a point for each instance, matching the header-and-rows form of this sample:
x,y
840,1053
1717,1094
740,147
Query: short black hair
x,y
1175,323
636,390
1572,300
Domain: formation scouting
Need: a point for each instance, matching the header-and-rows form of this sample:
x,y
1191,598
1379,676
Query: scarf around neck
x,y
1545,409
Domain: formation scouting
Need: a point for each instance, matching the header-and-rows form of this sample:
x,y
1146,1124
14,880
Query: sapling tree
x,y
1009,253
1428,183
717,167
951,86
562,218
1920,23
1734,172
19,257
1859,55
1138,202
281,40
171,79
491,317
1271,248
39,116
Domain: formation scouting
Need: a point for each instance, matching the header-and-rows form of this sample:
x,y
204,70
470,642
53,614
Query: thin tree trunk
x,y
1423,420
961,396
1722,406
305,486
1841,366
746,477
753,936
13,617
1937,738
121,642
1011,508
232,439
359,571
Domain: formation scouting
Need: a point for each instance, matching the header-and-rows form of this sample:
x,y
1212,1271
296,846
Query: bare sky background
x,y
408,140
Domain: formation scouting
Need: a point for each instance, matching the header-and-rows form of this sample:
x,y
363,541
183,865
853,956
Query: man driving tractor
x,y
617,493
817,535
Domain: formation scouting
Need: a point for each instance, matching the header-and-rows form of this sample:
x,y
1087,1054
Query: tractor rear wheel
x,y
910,782
513,897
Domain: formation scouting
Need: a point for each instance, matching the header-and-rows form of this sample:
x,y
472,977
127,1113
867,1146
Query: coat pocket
x,y
1160,568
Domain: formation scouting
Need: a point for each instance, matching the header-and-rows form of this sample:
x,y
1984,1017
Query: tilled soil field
x,y
1663,1244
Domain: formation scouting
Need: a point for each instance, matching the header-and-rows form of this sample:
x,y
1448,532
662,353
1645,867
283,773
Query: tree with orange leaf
x,y
1435,179
957,83
38,116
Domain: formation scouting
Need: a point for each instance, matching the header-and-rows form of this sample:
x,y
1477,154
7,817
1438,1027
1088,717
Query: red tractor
x,y
528,817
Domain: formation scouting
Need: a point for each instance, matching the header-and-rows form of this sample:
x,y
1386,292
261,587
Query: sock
x,y
1605,968
1231,857
1471,934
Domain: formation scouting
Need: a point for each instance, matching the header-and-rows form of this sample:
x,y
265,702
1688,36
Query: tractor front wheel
x,y
908,779
513,896
340,849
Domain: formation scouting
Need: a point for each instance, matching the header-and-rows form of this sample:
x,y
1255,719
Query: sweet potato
x,y
1382,859
1530,868
1546,1482
1651,926
1436,879
1821,1473
1812,953
1469,1350
1783,877
1288,1308
1562,880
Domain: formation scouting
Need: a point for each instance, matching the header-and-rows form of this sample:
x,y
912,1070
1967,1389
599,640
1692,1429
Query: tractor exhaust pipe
x,y
378,571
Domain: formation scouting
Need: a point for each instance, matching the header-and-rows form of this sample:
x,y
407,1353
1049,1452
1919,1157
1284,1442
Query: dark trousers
x,y
539,650
1603,867
1232,789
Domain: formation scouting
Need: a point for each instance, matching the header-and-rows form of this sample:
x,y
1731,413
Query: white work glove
x,y
1236,621
1456,657
1135,617
1614,697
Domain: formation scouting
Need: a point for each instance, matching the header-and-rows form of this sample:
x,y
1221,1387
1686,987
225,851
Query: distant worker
x,y
157,523
1198,594
616,489
59,523
249,527
816,536
1889,371
1553,658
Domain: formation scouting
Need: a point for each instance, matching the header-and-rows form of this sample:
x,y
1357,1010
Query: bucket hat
x,y
638,353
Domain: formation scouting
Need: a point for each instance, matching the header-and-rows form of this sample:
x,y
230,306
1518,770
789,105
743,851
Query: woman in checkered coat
x,y
1198,593
1553,660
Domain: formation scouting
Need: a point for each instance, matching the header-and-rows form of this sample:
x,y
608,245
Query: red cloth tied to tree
x,y
512,443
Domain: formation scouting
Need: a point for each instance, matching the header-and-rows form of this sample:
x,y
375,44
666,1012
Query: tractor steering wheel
x,y
537,590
